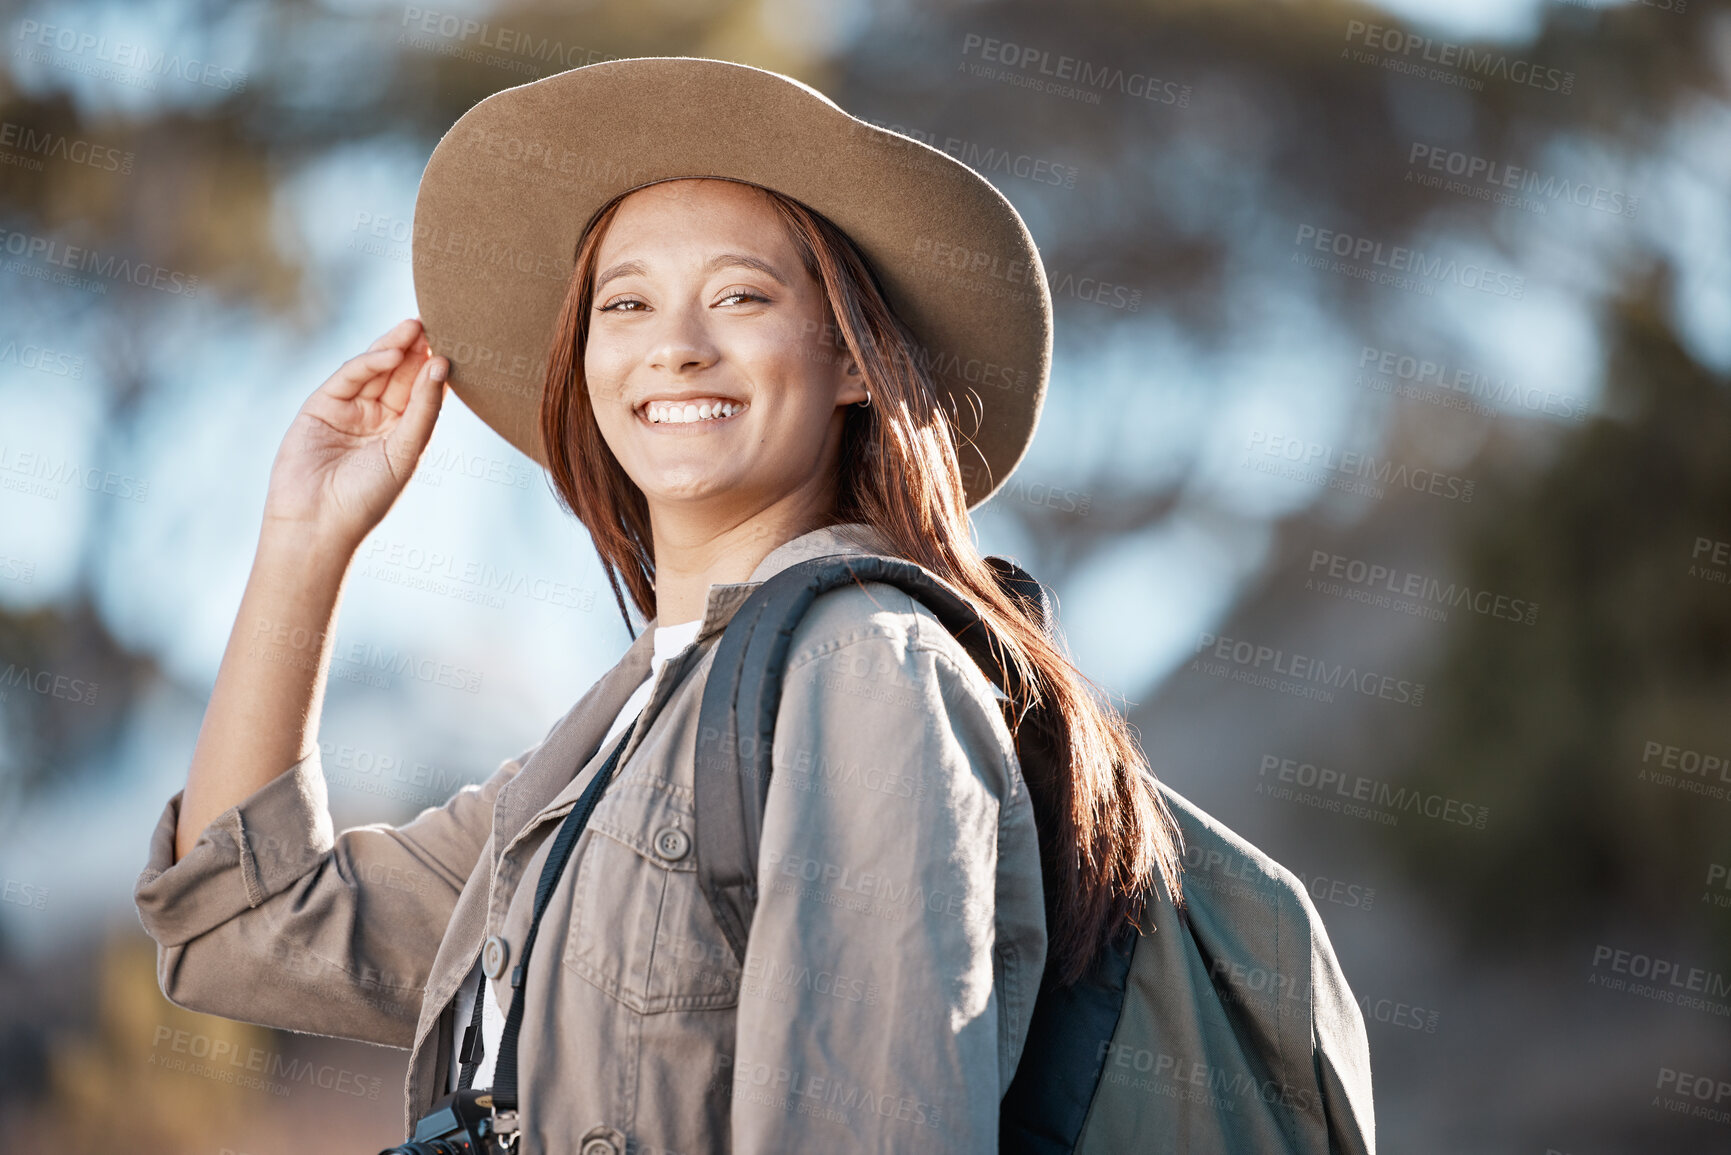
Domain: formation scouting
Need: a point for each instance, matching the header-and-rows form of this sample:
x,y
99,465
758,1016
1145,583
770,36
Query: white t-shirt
x,y
669,641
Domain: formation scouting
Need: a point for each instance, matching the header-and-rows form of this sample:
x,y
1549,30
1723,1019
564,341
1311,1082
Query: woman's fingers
x,y
385,374
399,335
348,381
411,432
405,373
392,389
394,393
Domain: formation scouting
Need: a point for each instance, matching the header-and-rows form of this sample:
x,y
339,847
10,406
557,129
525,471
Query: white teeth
x,y
675,413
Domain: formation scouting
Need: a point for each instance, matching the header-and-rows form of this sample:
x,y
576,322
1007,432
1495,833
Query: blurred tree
x,y
1549,726
1182,203
50,718
106,1083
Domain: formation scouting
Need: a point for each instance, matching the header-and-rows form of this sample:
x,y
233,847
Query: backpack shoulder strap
x,y
736,721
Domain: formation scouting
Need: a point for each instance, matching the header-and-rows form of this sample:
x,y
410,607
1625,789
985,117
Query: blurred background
x,y
1385,481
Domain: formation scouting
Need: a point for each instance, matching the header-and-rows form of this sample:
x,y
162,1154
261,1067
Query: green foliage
x,y
1549,725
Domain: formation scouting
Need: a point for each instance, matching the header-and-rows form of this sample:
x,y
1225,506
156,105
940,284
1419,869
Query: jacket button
x,y
494,955
601,1144
671,843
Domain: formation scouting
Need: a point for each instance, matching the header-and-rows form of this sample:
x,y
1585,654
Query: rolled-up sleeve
x,y
270,918
899,931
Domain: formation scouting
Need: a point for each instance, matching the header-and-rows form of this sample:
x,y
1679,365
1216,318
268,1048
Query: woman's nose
x,y
683,343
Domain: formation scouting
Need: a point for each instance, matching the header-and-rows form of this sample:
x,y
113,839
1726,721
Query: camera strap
x,y
471,1052
505,1068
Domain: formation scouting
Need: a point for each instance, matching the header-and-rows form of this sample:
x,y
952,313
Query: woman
x,y
722,388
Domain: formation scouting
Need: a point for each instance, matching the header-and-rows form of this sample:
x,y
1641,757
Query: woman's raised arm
x,y
348,454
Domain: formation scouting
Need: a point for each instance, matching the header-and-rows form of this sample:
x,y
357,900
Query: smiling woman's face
x,y
705,362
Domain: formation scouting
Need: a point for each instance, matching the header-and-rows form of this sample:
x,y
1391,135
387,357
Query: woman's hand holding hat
x,y
355,443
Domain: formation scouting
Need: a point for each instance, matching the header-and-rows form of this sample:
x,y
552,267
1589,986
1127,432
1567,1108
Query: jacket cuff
x,y
251,851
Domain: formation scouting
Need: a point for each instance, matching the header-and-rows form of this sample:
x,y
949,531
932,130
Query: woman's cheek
x,y
782,350
604,375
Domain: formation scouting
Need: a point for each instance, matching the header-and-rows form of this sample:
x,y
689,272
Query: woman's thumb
x,y
406,440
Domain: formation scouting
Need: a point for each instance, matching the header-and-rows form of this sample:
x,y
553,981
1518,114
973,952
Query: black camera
x,y
462,1123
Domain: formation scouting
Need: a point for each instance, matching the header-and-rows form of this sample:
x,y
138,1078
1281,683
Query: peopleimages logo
x,y
1660,979
1718,892
375,665
993,274
1472,385
41,359
985,159
1346,470
1390,587
102,56
1301,675
42,475
1068,75
1395,1013
56,255
1376,800
47,684
1446,61
1686,1093
30,143
1710,560
1399,265
1125,1062
482,42
370,772
466,579
1498,181
24,894
1682,768
224,1060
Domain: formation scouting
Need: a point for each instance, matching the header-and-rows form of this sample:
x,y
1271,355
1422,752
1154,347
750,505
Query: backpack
x,y
1227,1027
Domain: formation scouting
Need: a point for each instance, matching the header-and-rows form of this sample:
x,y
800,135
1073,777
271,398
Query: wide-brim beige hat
x,y
508,191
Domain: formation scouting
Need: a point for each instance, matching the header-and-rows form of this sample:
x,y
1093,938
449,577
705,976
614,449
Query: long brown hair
x,y
1106,836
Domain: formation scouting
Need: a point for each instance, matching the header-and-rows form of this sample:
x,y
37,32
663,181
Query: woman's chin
x,y
690,486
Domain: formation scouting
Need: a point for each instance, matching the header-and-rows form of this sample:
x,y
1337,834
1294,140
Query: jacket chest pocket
x,y
640,928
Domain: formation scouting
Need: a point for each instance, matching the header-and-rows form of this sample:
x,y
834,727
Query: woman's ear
x,y
853,387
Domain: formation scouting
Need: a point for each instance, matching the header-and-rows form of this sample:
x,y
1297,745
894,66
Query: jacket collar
x,y
575,739
725,598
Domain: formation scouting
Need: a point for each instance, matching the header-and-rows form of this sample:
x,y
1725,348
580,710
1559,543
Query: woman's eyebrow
x,y
723,260
622,269
719,261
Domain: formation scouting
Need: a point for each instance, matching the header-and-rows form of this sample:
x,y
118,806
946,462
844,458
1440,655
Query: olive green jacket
x,y
893,959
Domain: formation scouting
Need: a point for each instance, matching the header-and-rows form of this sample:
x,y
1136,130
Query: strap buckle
x,y
505,1129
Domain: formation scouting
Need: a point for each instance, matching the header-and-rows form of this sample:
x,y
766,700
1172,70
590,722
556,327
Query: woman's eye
x,y
619,306
740,294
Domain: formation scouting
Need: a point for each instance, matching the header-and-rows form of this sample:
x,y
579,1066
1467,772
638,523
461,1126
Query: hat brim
x,y
509,188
